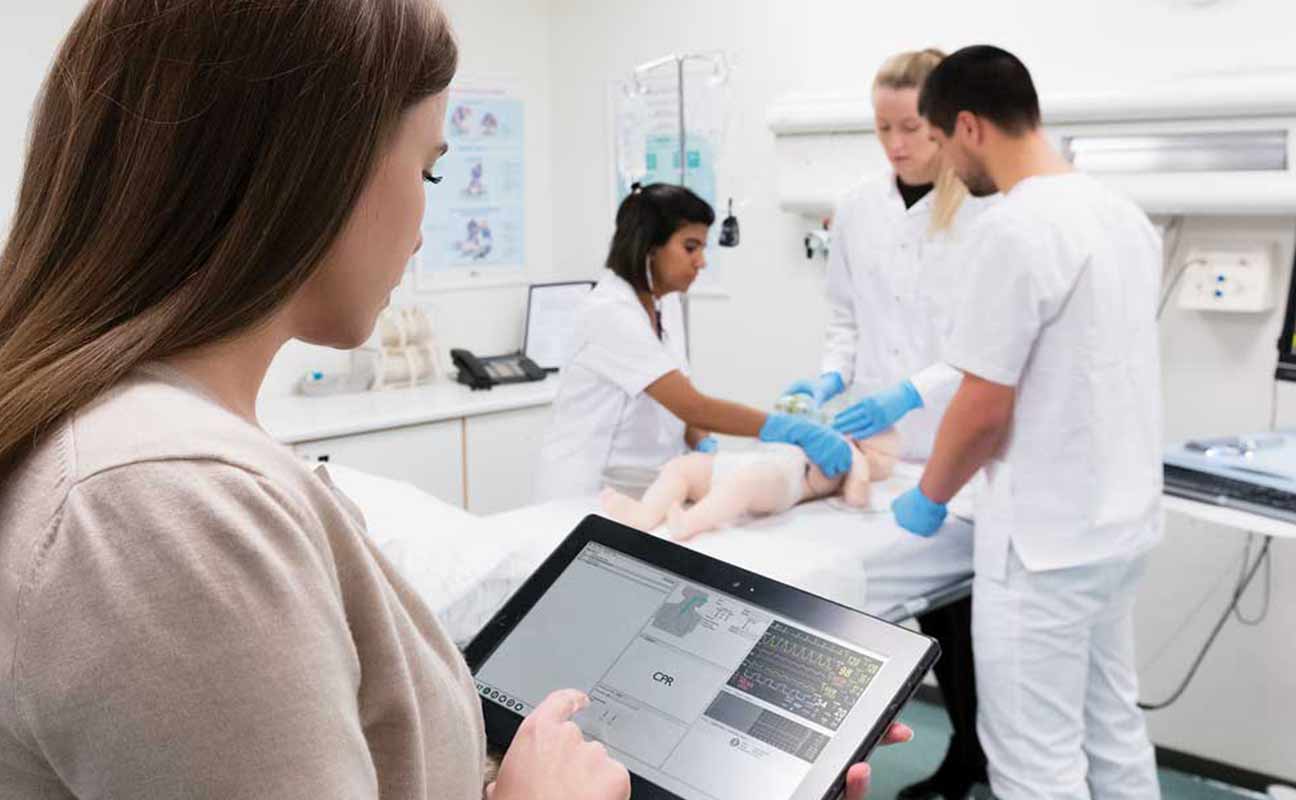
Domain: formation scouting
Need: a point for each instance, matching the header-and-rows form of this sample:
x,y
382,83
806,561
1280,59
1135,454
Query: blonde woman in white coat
x,y
892,282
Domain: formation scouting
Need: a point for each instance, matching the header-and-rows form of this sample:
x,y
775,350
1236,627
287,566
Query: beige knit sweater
x,y
186,610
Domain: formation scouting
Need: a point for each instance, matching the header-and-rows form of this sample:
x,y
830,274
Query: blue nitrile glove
x,y
826,448
707,444
877,412
916,514
821,389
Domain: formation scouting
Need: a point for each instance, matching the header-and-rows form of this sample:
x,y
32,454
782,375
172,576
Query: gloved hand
x,y
917,514
826,448
707,444
877,412
821,389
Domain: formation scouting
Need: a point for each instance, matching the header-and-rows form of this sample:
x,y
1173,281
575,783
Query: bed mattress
x,y
465,566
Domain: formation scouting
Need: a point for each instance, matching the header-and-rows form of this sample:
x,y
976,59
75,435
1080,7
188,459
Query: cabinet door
x,y
428,456
503,453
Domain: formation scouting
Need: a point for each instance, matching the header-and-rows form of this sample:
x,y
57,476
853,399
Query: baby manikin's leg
x,y
626,510
684,478
760,488
720,507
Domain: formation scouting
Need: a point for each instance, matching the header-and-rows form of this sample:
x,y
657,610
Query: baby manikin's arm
x,y
882,452
857,489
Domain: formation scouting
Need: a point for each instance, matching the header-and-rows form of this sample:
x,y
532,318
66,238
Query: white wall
x,y
1217,369
1218,377
505,41
502,39
775,306
29,35
768,329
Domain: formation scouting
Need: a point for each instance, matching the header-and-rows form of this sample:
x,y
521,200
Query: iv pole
x,y
721,69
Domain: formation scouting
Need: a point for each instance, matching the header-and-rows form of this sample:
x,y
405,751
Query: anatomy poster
x,y
475,221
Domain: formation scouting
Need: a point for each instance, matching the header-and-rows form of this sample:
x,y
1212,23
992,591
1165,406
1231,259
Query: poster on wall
x,y
474,225
645,124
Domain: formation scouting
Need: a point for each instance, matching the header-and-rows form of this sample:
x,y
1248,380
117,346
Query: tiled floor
x,y
896,767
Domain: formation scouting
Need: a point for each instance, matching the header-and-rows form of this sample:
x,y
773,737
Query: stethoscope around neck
x,y
656,301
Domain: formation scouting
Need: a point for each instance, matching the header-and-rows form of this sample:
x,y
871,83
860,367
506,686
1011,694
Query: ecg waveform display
x,y
806,675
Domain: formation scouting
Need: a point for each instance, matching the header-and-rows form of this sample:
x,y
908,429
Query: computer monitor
x,y
1287,340
551,310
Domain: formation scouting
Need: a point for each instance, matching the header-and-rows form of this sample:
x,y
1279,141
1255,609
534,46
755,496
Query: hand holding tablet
x,y
859,775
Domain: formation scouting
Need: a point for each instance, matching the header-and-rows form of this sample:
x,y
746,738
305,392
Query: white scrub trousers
x,y
1057,684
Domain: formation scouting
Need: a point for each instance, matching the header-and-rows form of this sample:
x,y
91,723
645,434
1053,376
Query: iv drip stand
x,y
721,67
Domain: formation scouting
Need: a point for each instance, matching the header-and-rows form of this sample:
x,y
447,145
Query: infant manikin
x,y
769,479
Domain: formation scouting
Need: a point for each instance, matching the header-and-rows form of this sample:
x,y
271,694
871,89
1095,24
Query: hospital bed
x,y
465,566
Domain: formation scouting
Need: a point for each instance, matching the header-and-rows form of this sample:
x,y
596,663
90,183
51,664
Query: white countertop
x,y
1243,521
293,418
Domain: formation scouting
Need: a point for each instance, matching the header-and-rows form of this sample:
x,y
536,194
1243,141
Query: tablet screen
x,y
701,692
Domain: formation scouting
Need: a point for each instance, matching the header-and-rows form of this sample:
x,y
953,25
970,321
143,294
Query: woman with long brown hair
x,y
185,609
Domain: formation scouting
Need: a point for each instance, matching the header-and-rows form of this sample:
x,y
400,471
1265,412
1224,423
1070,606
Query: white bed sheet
x,y
466,566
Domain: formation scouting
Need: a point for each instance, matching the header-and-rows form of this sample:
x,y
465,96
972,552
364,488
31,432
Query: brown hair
x,y
190,163
909,71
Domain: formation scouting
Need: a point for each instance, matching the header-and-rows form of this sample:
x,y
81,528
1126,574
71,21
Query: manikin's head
x,y
980,101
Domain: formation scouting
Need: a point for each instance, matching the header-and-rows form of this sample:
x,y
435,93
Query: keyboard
x,y
1230,493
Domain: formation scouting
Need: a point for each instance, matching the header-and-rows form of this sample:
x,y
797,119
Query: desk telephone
x,y
483,373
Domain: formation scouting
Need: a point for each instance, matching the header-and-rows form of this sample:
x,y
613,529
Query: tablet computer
x,y
707,681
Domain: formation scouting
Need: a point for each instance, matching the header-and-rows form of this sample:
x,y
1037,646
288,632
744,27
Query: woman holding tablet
x,y
188,610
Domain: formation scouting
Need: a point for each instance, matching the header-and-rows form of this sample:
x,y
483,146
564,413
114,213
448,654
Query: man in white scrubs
x,y
1060,402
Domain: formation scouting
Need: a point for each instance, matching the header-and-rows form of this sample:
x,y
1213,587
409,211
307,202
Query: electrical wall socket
x,y
1229,276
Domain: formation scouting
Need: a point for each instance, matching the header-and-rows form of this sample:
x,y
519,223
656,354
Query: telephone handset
x,y
483,373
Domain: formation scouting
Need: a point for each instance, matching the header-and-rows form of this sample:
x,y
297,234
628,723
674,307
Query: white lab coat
x,y
892,286
602,417
1061,304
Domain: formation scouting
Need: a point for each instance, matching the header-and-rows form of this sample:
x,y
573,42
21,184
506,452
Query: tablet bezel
x,y
909,654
